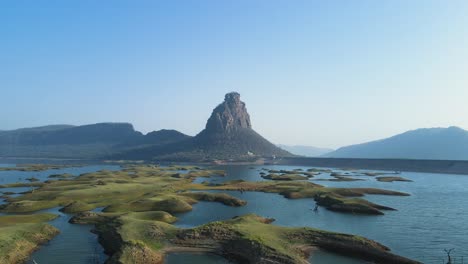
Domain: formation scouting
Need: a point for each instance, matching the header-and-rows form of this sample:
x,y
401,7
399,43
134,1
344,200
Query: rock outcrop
x,y
228,135
230,116
244,239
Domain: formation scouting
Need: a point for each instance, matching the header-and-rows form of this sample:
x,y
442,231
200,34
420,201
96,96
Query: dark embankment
x,y
244,239
433,166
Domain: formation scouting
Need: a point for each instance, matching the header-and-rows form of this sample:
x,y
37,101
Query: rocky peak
x,y
233,98
229,116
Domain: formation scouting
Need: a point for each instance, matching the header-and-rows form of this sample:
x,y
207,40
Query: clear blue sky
x,y
324,73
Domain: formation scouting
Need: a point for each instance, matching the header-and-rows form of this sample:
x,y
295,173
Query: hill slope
x,y
427,143
228,135
87,141
229,132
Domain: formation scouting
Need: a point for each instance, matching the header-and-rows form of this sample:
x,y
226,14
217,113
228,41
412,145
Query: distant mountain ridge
x,y
426,143
228,135
160,137
37,129
307,151
57,135
87,141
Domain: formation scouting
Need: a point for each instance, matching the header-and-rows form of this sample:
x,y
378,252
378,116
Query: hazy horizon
x,y
277,143
324,74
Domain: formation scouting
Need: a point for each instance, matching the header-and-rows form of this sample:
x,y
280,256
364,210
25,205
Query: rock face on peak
x,y
228,135
229,116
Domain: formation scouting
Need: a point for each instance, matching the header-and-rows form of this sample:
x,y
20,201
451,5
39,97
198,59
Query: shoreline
x,y
459,167
408,165
240,239
147,196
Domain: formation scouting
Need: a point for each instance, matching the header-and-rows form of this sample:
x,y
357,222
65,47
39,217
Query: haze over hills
x,y
307,151
74,135
228,135
425,143
87,141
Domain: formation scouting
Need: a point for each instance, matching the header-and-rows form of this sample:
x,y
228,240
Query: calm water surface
x,y
434,217
75,244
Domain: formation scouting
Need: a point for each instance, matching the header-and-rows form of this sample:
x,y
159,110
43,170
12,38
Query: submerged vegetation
x,y
140,202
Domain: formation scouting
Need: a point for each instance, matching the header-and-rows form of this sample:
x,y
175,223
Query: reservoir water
x,y
75,244
432,219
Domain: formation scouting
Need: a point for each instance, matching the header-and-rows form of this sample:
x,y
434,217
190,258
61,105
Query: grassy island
x,y
153,188
132,238
392,179
36,167
20,235
284,177
140,202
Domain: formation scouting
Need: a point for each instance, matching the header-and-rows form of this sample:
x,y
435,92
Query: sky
x,y
322,73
